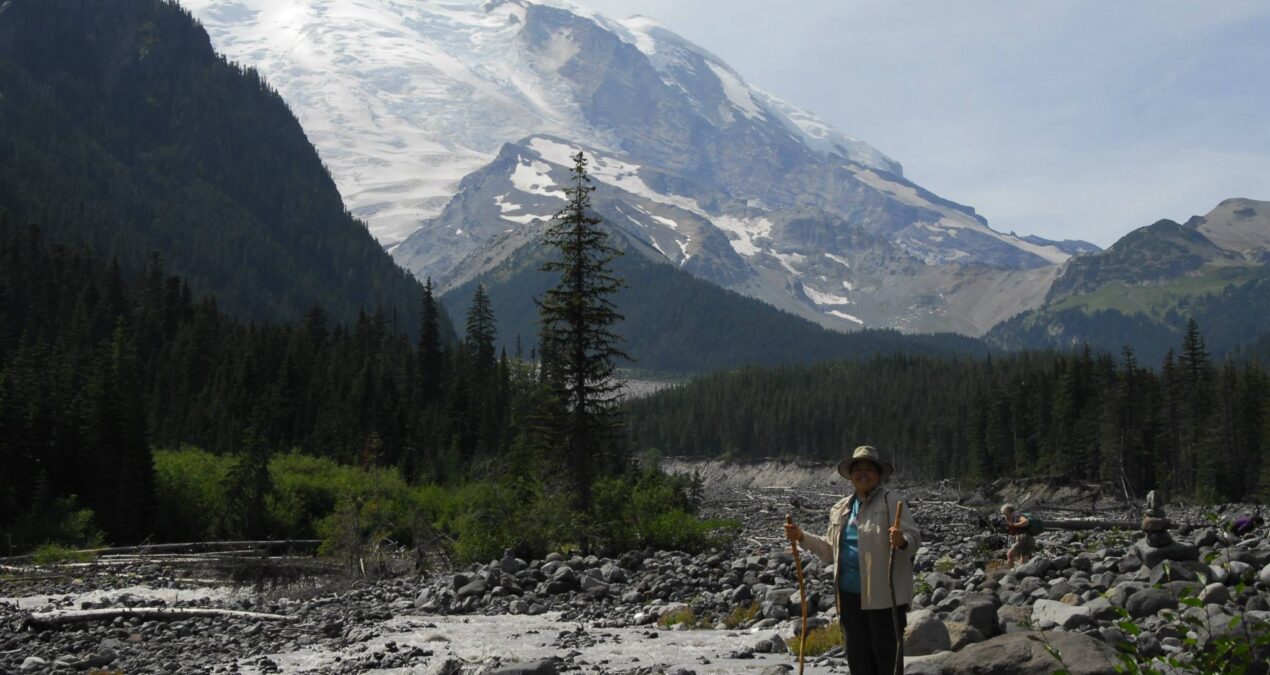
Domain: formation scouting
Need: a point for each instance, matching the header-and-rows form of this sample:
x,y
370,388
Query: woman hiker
x,y
1016,525
860,540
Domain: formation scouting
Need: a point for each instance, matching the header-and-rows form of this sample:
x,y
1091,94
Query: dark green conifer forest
x,y
96,368
123,133
1195,428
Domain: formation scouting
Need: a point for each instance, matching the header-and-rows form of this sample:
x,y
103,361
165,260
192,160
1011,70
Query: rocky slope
x,y
448,128
1143,288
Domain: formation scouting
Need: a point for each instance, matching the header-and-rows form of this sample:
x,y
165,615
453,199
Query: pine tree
x,y
430,360
579,345
481,334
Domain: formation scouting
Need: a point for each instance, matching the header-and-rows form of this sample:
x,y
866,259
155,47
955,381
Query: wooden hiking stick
x,y
802,595
895,606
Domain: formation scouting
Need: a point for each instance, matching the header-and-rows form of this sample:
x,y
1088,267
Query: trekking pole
x,y
802,595
895,606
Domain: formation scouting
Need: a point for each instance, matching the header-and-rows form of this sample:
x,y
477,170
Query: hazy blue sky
x,y
1078,120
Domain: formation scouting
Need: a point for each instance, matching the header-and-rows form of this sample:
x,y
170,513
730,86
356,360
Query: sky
x,y
1065,119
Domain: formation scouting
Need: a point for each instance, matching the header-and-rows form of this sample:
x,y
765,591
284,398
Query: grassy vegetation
x,y
819,640
1155,301
685,616
52,553
355,510
741,615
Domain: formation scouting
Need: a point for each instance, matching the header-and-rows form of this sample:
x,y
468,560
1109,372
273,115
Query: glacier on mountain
x,y
449,126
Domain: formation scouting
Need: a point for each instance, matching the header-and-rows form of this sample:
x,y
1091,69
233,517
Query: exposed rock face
x,y
443,148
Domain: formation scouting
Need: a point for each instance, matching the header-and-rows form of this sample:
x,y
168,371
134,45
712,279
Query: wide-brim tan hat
x,y
865,452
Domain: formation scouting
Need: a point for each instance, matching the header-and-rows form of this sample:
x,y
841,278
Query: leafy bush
x,y
308,490
189,492
48,554
490,517
58,521
653,510
355,510
1240,646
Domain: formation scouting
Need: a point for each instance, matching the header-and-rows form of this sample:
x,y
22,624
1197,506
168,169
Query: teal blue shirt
x,y
849,553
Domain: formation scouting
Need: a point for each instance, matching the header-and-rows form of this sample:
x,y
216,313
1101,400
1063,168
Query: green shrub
x,y
741,615
189,492
673,618
58,521
48,554
653,510
307,491
819,640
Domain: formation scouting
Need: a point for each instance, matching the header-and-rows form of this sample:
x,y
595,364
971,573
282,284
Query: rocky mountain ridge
x,y
454,118
1142,289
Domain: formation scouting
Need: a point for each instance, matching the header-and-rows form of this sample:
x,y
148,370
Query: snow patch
x,y
535,178
839,260
639,27
736,91
824,298
664,221
844,315
746,230
788,260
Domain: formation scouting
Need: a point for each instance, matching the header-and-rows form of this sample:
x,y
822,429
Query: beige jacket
x,y
874,522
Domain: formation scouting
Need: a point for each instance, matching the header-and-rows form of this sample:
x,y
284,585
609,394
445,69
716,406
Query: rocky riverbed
x,y
646,612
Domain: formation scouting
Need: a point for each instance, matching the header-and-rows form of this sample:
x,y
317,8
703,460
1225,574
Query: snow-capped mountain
x,y
446,126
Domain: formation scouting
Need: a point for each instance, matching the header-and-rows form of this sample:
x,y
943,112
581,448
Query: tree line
x,y
97,369
1195,428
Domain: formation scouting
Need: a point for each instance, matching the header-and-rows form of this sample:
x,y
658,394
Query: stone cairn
x,y
1155,524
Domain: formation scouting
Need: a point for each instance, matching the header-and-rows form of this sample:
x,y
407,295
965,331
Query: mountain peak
x,y
404,99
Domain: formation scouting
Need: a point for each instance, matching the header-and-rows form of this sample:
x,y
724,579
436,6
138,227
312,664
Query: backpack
x,y
1035,525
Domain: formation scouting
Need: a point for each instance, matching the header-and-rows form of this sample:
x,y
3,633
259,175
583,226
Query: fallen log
x,y
49,619
1124,525
188,547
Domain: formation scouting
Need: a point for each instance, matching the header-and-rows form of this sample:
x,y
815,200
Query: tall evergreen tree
x,y
579,345
430,359
481,334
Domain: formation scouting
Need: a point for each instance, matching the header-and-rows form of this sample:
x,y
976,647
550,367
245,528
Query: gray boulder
x,y
1051,613
960,635
539,667
978,611
1152,556
925,634
1023,654
1149,601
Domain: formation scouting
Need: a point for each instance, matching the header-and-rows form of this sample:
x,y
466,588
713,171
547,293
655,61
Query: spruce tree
x,y
480,336
578,343
430,359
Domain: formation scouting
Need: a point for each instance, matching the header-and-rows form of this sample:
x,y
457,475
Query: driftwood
x,y
1128,526
48,619
189,547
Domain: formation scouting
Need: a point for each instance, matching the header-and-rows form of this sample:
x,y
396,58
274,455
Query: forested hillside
x,y
122,132
96,368
678,323
1233,316
130,410
1196,428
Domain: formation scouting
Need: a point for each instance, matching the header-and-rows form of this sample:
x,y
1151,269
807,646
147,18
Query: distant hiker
x,y
873,594
1020,526
1245,525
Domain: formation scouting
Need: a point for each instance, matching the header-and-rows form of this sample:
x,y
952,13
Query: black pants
x,y
870,636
